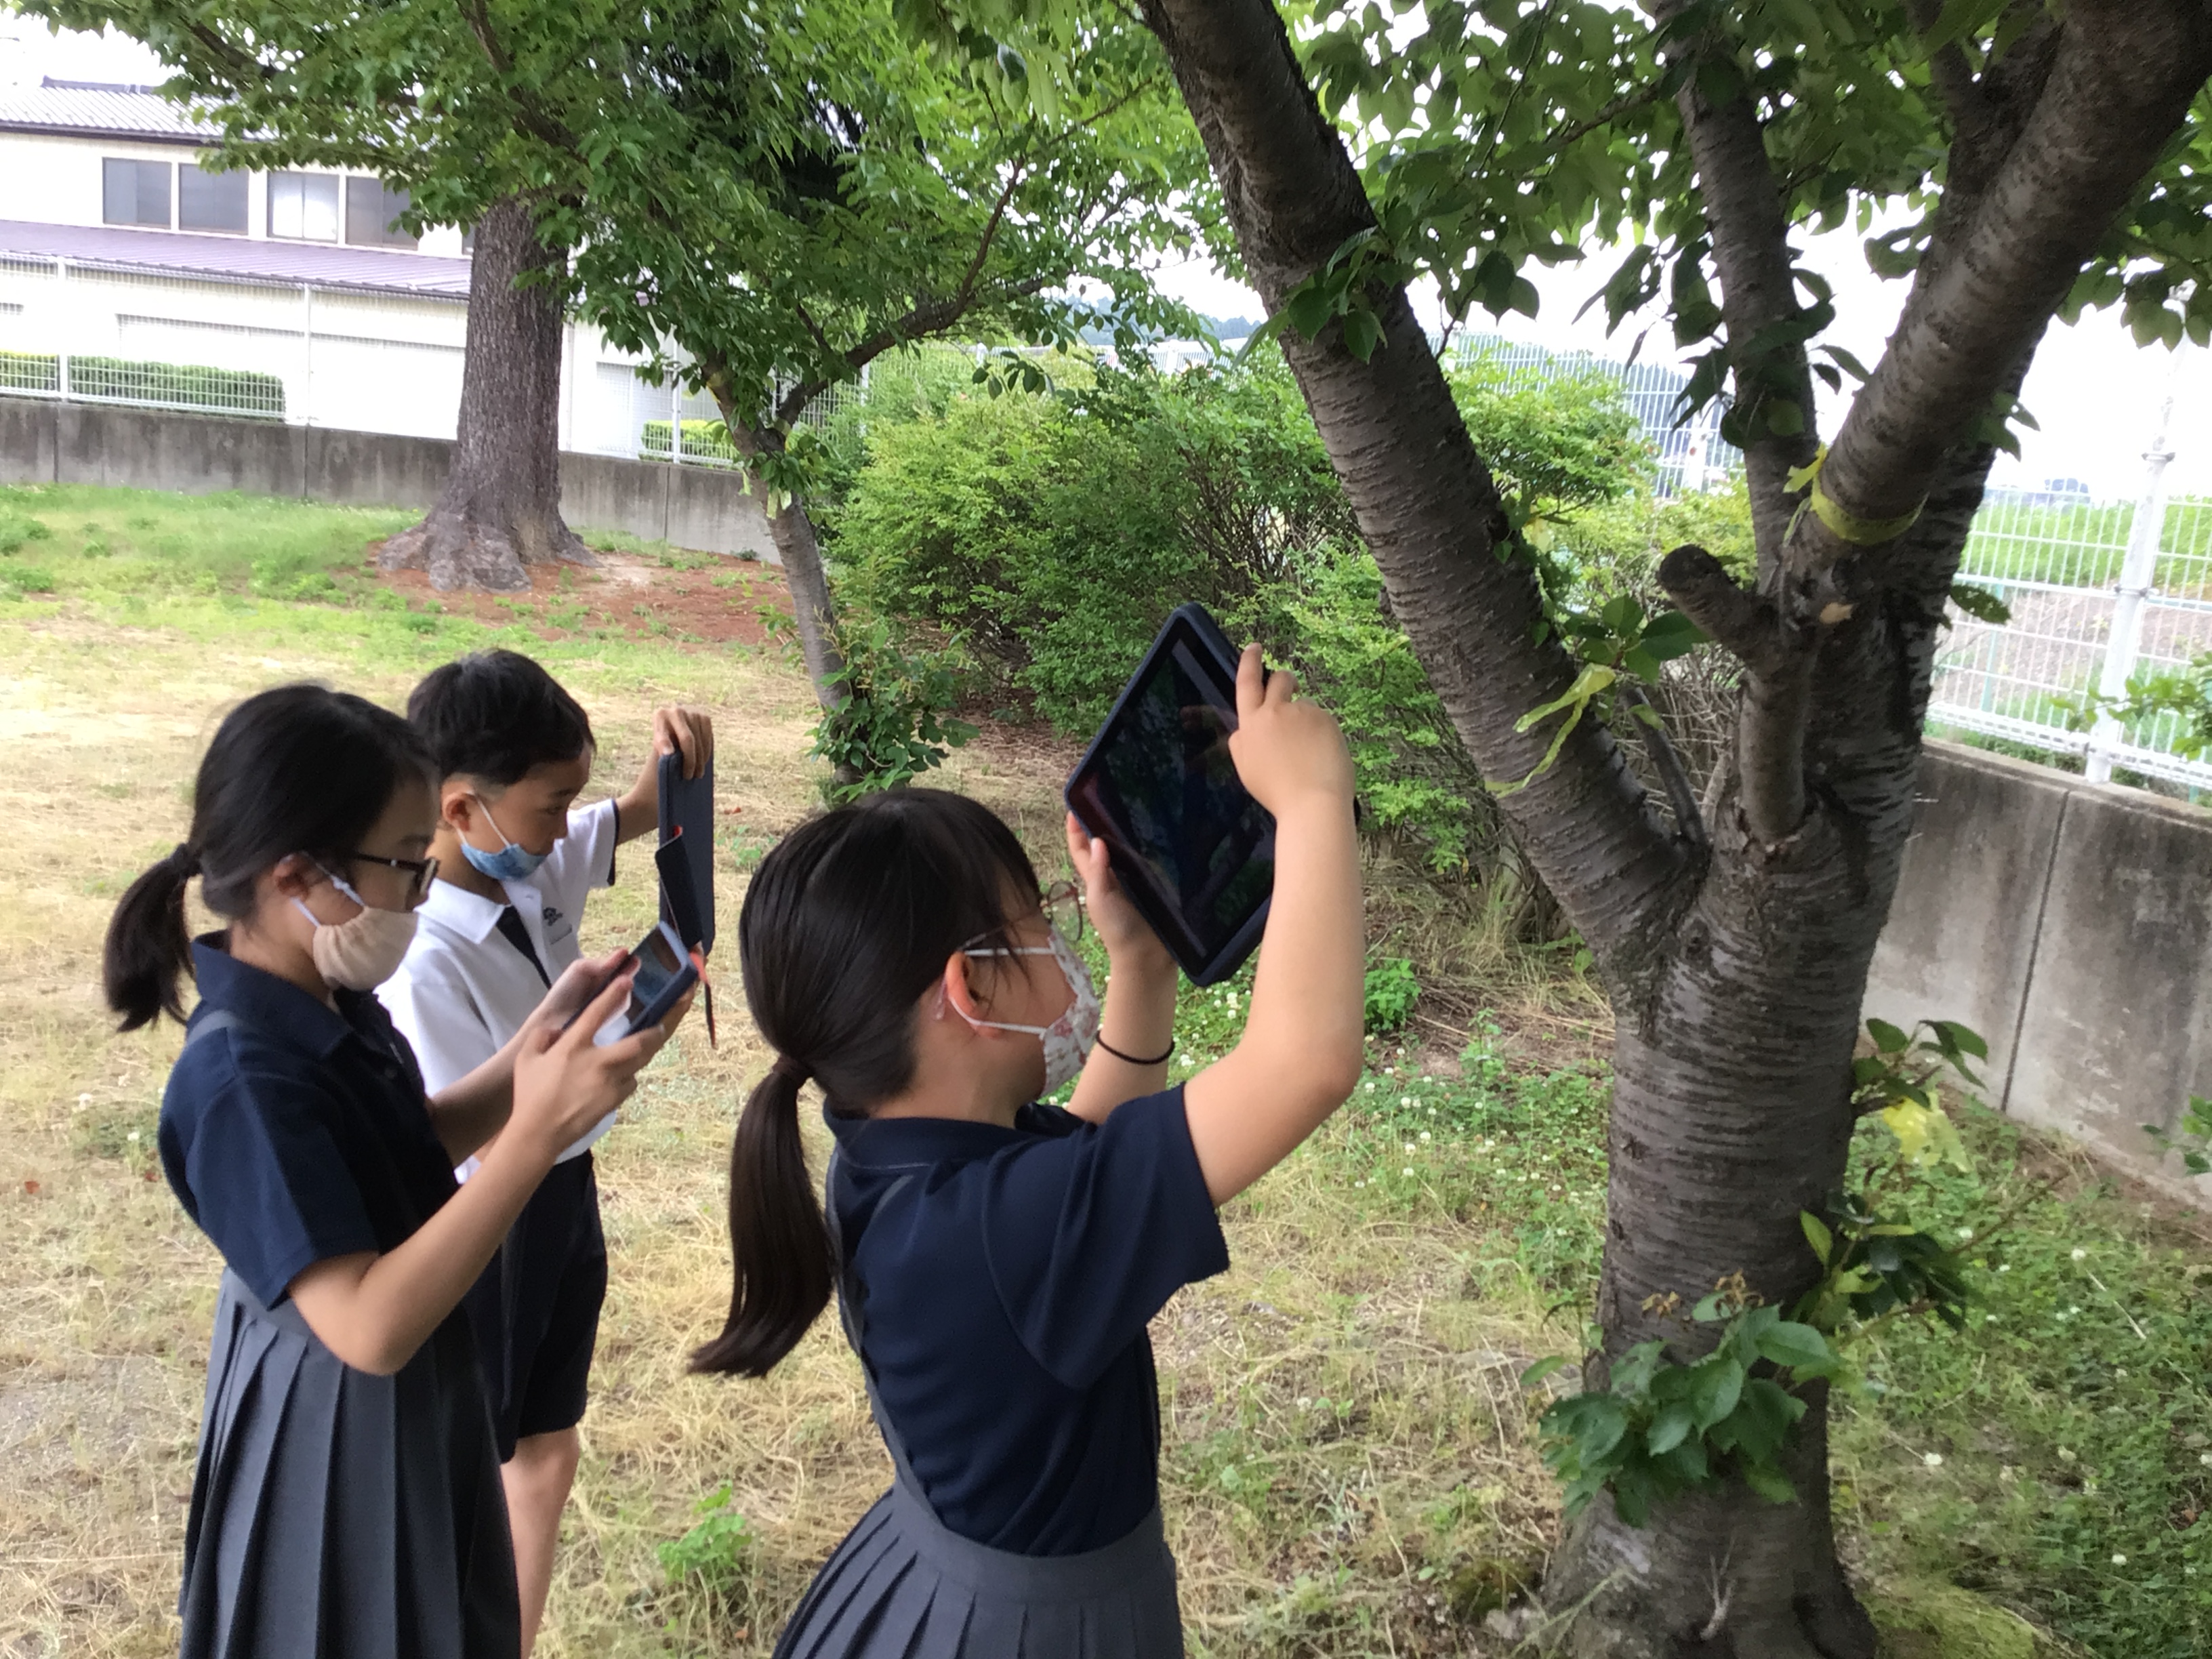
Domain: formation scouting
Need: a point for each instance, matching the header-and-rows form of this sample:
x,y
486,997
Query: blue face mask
x,y
512,862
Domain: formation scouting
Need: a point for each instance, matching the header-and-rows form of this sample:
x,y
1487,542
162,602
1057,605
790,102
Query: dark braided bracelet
x,y
1160,1059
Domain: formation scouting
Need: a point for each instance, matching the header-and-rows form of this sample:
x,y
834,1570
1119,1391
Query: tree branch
x,y
1681,796
2120,76
1425,501
1750,235
1746,625
1626,104
1948,69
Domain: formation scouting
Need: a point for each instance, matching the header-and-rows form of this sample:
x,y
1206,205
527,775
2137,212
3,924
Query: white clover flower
x,y
1966,1232
1933,1460
133,1135
2004,1267
1409,1145
2205,1458
1424,1136
2081,1255
2066,1455
1405,1100
2119,1560
2121,1372
1409,1169
1989,1319
2073,1313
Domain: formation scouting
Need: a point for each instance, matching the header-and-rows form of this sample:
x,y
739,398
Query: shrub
x,y
240,392
895,723
702,440
1392,991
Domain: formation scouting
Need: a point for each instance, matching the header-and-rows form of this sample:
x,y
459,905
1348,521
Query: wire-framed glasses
x,y
1063,909
419,873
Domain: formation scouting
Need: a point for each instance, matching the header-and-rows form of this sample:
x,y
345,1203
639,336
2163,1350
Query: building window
x,y
135,192
303,207
373,211
211,201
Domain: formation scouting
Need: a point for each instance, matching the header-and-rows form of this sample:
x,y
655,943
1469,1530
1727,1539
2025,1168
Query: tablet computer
x,y
1190,846
686,838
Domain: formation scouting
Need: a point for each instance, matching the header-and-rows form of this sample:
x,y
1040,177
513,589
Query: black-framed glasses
x,y
421,872
1063,909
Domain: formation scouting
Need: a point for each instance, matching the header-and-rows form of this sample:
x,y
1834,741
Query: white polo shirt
x,y
465,987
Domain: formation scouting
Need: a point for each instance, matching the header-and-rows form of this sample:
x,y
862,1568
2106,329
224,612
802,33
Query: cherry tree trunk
x,y
500,512
1735,955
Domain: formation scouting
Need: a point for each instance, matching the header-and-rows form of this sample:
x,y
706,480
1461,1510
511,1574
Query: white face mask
x,y
1068,1039
363,952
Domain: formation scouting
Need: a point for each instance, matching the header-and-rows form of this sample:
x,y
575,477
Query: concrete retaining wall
x,y
2070,923
50,442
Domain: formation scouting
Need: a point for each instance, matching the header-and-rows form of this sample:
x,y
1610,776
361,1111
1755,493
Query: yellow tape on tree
x,y
1859,532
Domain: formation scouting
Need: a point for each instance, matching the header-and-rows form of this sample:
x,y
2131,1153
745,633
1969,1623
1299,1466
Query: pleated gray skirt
x,y
904,1585
336,1515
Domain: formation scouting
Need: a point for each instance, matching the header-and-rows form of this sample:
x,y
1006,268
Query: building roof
x,y
98,109
242,259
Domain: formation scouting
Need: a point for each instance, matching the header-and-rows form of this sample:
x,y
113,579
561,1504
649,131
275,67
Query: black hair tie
x,y
786,1066
184,861
1160,1059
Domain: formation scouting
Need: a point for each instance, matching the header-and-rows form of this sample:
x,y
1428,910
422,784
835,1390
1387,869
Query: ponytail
x,y
148,948
849,919
779,1244
298,769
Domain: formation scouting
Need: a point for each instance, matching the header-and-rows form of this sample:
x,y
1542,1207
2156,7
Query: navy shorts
x,y
536,1309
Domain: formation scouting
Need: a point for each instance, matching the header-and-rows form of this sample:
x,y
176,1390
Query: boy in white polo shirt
x,y
516,858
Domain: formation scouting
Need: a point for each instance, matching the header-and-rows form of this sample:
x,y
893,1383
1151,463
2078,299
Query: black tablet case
x,y
1158,906
686,857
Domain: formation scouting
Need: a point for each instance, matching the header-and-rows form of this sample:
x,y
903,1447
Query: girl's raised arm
x,y
1301,1050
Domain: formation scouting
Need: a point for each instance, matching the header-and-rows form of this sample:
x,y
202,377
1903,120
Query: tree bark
x,y
1735,973
797,545
500,512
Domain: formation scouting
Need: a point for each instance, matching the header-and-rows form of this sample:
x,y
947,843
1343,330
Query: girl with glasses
x,y
347,1499
996,1261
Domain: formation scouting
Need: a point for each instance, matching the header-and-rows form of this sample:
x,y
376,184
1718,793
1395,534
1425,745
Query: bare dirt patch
x,y
695,598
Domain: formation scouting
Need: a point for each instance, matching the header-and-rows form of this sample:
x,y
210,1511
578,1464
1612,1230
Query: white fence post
x,y
61,352
306,354
676,420
2138,567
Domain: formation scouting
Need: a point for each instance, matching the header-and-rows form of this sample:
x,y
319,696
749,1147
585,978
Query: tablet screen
x,y
1162,781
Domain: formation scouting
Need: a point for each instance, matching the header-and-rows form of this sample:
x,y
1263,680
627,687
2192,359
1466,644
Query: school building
x,y
132,274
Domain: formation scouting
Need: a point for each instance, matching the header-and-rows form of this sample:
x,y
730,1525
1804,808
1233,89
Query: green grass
x,y
1348,1461
116,546
2071,1420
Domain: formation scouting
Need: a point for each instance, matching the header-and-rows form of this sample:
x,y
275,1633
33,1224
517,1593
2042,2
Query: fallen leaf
x,y
32,1188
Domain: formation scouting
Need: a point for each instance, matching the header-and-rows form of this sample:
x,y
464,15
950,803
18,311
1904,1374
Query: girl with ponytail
x,y
996,1261
347,1500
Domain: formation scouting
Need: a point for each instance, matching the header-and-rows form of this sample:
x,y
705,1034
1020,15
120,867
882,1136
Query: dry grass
x,y
1347,1448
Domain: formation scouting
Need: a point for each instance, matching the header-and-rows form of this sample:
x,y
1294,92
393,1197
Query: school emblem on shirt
x,y
554,921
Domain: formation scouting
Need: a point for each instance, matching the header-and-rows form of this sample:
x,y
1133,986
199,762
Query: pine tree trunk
x,y
501,509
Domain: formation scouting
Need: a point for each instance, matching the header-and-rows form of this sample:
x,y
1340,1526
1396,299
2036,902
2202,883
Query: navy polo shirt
x,y
300,1133
1005,1289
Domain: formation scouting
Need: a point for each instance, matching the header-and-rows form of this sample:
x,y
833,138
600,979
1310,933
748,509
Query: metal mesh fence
x,y
1688,451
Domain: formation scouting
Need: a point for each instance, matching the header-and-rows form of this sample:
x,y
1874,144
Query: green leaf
x,y
1798,1347
1982,603
1544,1368
1769,1483
1887,1037
1817,1235
1670,1429
1363,332
1717,1383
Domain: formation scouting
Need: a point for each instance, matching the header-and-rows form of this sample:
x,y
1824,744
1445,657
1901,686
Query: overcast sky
x,y
2096,395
